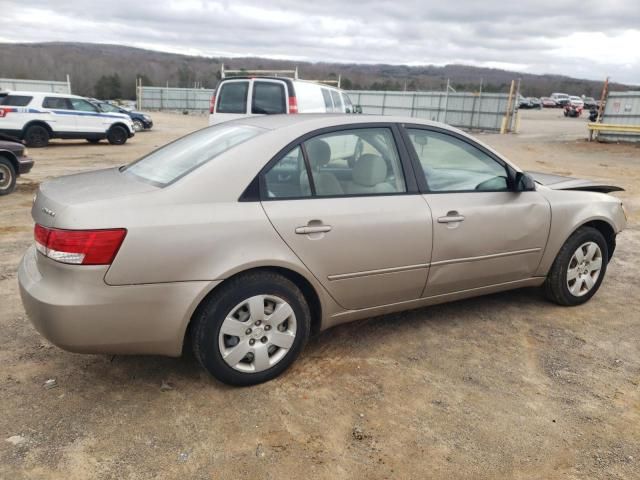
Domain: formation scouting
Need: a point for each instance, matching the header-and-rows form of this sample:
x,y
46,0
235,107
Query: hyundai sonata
x,y
251,235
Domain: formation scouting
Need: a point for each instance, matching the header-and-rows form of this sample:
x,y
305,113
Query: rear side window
x,y
327,100
268,97
347,103
57,103
82,105
233,97
337,101
15,100
175,160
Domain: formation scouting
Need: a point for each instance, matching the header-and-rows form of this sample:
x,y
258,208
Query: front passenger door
x,y
484,233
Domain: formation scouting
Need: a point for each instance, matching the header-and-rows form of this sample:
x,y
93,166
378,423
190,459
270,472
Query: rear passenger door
x,y
88,118
61,116
346,203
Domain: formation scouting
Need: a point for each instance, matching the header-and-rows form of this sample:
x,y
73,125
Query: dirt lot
x,y
504,386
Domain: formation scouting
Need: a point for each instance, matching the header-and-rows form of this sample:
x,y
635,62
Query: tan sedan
x,y
251,235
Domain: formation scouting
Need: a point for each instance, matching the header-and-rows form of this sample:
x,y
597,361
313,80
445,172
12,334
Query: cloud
x,y
584,38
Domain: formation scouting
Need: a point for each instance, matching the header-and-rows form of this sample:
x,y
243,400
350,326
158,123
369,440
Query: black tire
x,y
555,286
7,176
36,136
117,135
210,315
93,140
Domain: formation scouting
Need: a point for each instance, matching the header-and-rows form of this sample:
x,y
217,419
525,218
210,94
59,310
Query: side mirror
x,y
523,183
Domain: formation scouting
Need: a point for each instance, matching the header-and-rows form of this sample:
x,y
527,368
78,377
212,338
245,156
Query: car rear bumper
x,y
25,164
73,308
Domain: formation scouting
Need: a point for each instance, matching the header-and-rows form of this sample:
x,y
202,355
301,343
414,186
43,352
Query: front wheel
x,y
138,126
579,268
117,135
252,329
7,177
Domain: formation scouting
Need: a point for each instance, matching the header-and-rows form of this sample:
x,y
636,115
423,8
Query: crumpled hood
x,y
558,182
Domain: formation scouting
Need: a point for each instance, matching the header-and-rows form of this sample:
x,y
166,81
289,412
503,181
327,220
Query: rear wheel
x,y
579,268
117,135
36,136
252,329
7,176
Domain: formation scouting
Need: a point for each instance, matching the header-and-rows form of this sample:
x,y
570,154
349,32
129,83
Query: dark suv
x,y
13,162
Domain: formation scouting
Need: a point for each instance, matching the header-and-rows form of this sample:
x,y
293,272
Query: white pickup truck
x,y
36,117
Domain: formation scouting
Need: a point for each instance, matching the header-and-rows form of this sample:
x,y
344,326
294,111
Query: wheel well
x,y
118,124
37,122
302,283
607,232
11,157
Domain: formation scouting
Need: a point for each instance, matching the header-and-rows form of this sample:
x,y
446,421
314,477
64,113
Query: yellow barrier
x,y
611,127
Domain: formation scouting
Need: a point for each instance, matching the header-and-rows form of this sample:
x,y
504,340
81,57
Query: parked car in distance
x,y
141,121
14,162
36,117
561,99
524,102
535,102
238,97
576,101
548,102
251,235
590,102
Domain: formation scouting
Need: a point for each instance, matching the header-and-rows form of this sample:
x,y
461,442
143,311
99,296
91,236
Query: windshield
x,y
176,159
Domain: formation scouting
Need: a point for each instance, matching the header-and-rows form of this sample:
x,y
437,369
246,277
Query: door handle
x,y
451,217
313,229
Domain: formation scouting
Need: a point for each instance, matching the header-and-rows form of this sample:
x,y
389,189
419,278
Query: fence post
x,y
413,103
384,101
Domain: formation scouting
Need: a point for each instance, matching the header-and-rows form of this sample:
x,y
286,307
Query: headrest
x,y
369,170
319,152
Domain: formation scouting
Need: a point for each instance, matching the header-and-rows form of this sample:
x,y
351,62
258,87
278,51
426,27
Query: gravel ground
x,y
503,386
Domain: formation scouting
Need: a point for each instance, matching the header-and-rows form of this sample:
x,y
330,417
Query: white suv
x,y
35,117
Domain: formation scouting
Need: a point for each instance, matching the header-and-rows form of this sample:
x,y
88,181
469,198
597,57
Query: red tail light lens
x,y
293,105
4,112
212,104
79,247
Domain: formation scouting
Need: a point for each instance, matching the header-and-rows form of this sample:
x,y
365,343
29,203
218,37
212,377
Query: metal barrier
x,y
621,118
163,98
35,85
472,111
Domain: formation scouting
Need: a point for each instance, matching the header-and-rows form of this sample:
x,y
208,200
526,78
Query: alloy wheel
x,y
584,269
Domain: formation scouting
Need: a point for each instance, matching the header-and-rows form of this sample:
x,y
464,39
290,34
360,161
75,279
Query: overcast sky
x,y
581,38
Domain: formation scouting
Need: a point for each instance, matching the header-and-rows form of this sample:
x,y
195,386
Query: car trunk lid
x,y
54,197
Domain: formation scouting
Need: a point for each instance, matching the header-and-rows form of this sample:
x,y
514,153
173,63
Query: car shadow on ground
x,y
156,371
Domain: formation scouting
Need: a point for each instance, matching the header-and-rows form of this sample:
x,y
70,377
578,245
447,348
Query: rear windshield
x,y
233,97
15,100
176,159
268,97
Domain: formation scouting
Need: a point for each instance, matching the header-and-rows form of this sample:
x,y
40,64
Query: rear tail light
x,y
212,104
79,247
293,105
4,112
